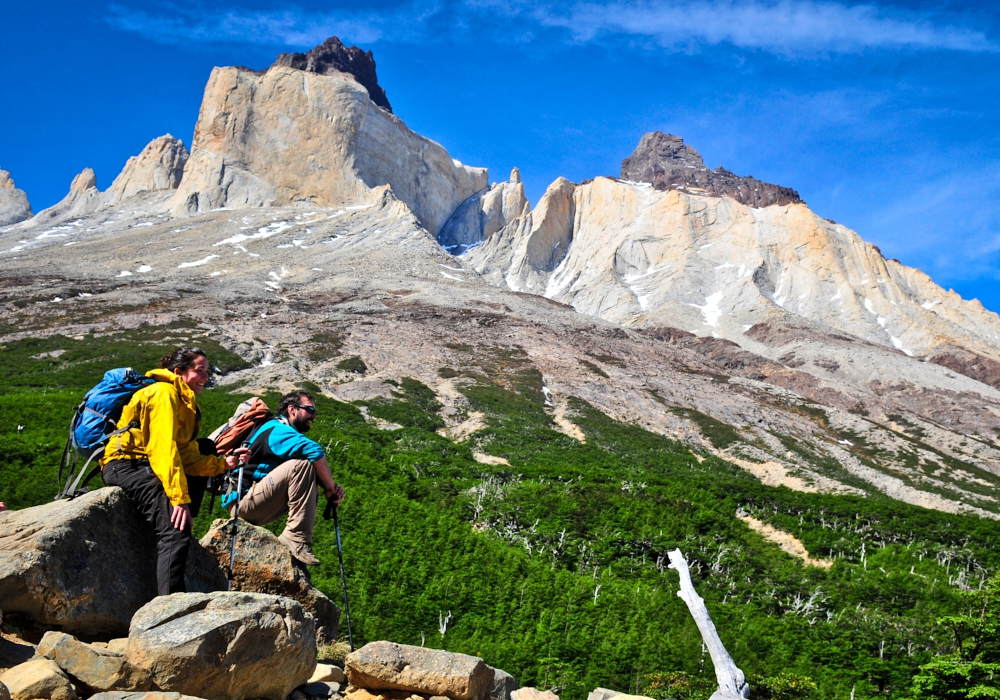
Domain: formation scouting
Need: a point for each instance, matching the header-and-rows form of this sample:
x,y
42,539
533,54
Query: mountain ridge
x,y
342,213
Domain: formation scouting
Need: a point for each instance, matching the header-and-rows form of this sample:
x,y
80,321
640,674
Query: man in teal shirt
x,y
283,471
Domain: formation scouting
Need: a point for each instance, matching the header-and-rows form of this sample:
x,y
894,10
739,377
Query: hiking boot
x,y
302,552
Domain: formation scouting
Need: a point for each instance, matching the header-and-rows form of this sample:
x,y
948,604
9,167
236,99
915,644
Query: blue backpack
x,y
95,421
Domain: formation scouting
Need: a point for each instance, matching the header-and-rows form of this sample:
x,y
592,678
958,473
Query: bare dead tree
x,y
732,682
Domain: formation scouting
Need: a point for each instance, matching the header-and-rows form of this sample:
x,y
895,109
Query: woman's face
x,y
196,376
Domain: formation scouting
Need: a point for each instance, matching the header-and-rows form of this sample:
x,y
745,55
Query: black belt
x,y
130,462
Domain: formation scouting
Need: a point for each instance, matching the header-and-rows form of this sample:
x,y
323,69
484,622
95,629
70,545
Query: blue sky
x,y
883,116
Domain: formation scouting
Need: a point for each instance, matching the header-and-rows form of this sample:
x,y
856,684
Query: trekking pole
x,y
343,579
236,517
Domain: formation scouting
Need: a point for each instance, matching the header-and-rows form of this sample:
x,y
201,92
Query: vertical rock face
x,y
649,258
14,206
290,136
531,246
666,163
332,57
484,214
159,166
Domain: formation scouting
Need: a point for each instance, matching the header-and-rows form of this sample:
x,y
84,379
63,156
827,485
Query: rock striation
x,y
665,162
14,205
332,58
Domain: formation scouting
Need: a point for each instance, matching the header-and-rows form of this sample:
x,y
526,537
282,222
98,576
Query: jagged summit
x,y
333,57
664,161
14,205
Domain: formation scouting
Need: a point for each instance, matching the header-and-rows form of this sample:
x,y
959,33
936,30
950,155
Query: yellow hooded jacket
x,y
167,412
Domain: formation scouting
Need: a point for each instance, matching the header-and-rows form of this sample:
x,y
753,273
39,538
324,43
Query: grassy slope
x,y
552,567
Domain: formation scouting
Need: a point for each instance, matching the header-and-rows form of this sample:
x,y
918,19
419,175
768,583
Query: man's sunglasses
x,y
311,410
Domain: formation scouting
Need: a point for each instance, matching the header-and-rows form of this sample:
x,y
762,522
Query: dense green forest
x,y
553,566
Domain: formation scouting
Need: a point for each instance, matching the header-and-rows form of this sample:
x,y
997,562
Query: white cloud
x,y
786,27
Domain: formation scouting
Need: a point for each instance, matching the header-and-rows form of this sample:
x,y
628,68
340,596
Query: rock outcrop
x,y
390,666
332,58
159,166
224,646
641,257
663,161
95,669
484,214
14,205
83,198
264,564
290,136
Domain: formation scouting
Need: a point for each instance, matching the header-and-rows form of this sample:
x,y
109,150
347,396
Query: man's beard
x,y
302,425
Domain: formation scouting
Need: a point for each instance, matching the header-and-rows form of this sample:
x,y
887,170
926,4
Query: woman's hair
x,y
181,359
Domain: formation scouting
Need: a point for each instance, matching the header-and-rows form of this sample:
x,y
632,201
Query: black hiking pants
x,y
145,490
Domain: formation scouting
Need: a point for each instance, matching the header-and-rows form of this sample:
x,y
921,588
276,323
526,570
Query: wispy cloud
x,y
787,27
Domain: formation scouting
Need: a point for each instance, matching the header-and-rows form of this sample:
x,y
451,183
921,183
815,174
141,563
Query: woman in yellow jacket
x,y
152,462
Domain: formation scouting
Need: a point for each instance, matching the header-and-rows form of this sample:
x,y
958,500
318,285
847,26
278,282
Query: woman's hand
x,y
234,457
181,517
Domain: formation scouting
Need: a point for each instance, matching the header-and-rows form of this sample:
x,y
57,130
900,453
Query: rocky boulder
x,y
192,642
331,58
38,679
390,666
14,205
47,556
533,694
504,685
664,161
264,564
94,668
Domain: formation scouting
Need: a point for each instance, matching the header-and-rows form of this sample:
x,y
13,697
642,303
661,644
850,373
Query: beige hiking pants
x,y
290,487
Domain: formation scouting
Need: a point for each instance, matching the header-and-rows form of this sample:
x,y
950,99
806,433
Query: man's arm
x,y
331,490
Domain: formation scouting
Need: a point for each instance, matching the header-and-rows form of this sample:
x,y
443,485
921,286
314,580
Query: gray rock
x,y
320,689
390,666
503,685
264,564
38,679
4,693
665,162
332,57
14,205
94,668
191,643
328,673
47,556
